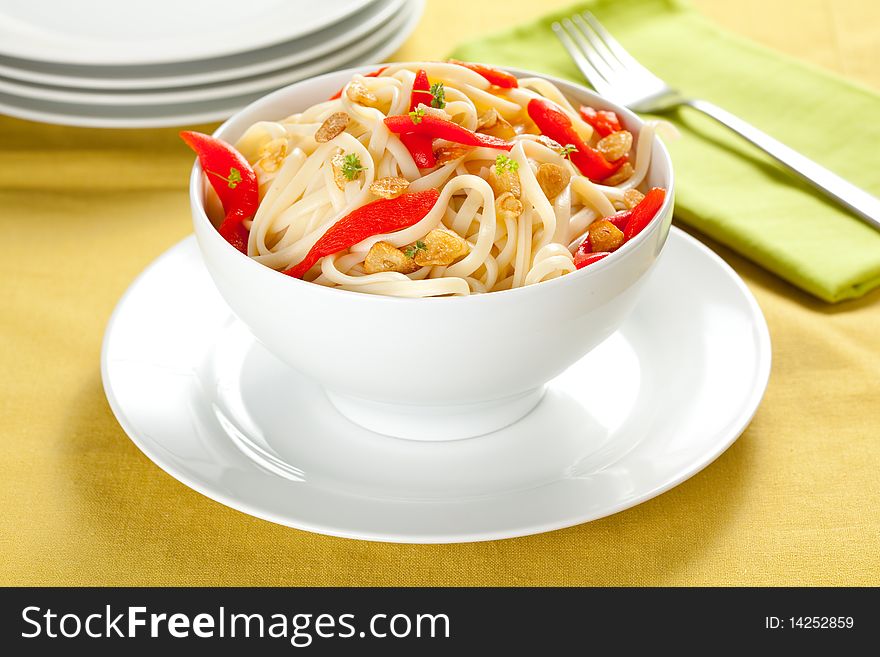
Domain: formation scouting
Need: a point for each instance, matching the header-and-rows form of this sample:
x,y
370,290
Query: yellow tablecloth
x,y
794,501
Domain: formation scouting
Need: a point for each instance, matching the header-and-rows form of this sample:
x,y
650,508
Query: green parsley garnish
x,y
504,163
351,166
232,179
439,95
417,114
567,150
412,249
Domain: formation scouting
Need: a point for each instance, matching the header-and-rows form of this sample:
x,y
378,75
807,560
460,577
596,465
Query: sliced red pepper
x,y
421,91
235,182
582,258
554,123
383,216
437,128
229,173
631,222
620,219
603,121
644,212
421,147
374,74
494,76
234,231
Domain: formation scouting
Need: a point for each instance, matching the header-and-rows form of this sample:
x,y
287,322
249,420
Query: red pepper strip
x,y
420,91
554,123
374,74
583,258
383,216
437,128
421,147
229,172
234,231
495,76
603,121
620,219
623,218
644,212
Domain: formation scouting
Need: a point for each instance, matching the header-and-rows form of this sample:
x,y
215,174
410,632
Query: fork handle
x,y
860,202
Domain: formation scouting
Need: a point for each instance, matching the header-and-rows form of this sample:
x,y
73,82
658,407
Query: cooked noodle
x,y
301,198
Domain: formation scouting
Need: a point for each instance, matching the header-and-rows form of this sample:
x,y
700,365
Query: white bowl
x,y
435,368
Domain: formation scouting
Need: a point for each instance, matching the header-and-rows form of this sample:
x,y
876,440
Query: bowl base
x,y
436,422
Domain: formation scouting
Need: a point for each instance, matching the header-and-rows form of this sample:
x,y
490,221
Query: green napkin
x,y
725,187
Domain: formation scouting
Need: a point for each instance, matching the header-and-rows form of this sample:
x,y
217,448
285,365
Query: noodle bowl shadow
x,y
430,368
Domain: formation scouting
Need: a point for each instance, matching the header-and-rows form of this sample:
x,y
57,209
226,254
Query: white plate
x,y
250,85
650,407
152,116
113,33
182,74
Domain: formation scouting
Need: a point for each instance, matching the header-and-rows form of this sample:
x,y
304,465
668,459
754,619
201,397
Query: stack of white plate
x,y
106,63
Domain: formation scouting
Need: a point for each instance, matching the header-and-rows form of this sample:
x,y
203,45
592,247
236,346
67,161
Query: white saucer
x,y
647,409
112,33
219,105
259,83
346,33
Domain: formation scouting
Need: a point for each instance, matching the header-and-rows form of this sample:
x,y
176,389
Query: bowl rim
x,y
196,193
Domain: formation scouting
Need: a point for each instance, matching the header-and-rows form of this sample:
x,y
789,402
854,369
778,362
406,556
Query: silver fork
x,y
614,73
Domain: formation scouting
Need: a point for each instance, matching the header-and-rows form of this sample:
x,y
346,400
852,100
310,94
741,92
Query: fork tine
x,y
588,52
614,46
594,77
598,46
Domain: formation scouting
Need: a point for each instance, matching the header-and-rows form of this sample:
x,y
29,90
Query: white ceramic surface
x,y
206,71
153,116
252,84
482,359
109,32
652,405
